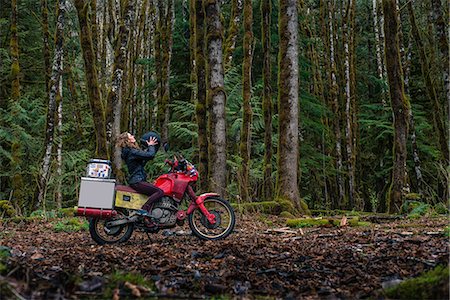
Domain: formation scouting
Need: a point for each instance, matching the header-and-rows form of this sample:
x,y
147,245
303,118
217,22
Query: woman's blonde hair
x,y
123,141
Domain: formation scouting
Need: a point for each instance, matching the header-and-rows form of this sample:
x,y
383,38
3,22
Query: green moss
x,y
118,278
71,225
433,284
286,214
441,208
6,208
311,222
5,252
413,196
308,222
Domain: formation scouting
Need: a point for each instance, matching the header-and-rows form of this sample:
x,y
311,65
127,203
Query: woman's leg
x,y
149,189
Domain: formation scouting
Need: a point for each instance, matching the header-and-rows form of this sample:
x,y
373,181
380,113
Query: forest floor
x,y
259,260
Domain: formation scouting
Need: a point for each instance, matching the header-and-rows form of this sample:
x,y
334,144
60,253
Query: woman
x,y
135,159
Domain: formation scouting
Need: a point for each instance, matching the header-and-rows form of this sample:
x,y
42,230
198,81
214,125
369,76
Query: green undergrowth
x,y
40,215
324,222
6,209
265,207
433,284
417,209
118,279
4,254
71,225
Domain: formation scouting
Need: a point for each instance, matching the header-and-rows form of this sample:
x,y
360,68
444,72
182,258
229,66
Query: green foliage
x,y
5,252
300,223
118,279
71,225
6,209
430,285
441,208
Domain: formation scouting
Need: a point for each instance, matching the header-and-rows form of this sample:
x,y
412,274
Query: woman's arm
x,y
140,154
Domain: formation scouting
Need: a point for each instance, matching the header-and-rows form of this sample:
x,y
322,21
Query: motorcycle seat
x,y
126,189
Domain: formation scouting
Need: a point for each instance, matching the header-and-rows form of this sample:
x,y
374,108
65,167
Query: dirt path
x,y
323,262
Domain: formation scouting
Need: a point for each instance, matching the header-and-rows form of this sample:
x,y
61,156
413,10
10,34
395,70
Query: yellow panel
x,y
130,200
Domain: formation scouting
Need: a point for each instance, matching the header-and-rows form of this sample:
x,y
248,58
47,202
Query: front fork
x,y
198,202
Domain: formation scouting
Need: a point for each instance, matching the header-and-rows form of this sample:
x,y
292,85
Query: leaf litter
x,y
256,260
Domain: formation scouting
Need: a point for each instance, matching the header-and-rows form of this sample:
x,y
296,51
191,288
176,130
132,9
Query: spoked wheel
x,y
225,220
103,234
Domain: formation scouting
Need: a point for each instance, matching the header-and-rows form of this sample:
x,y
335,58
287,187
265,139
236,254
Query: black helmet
x,y
147,136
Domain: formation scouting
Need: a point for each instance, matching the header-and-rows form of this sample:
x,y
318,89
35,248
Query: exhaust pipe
x,y
95,212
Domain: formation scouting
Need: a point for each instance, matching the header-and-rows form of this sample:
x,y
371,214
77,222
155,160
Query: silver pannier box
x,y
97,193
98,168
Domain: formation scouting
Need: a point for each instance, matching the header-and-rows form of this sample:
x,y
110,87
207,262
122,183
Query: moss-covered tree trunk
x,y
16,149
245,143
288,104
216,98
442,35
166,61
93,88
59,139
232,33
348,38
45,40
266,11
54,94
334,91
400,106
115,94
200,106
429,85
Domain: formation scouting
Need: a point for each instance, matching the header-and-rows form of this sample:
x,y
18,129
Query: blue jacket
x,y
136,160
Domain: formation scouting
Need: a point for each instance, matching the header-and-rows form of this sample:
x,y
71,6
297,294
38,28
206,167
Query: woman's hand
x,y
152,141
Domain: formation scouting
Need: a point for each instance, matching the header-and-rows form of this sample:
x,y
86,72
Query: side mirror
x,y
166,147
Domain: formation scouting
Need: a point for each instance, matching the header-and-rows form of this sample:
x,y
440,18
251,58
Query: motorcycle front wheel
x,y
102,234
225,220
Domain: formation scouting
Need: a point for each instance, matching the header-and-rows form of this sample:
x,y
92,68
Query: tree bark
x,y
334,90
46,47
58,193
437,111
288,90
93,89
115,94
200,107
400,107
266,11
17,185
54,90
216,98
245,143
232,33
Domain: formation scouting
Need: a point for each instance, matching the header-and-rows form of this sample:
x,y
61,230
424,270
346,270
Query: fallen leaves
x,y
342,262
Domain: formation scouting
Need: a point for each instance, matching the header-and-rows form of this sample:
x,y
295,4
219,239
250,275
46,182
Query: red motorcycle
x,y
210,217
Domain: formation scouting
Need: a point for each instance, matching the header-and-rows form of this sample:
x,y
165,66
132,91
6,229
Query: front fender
x,y
198,203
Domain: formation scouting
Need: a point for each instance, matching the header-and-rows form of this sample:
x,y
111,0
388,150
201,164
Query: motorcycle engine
x,y
164,210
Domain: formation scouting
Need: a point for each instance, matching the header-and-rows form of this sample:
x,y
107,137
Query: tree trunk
x,y
167,58
400,106
442,36
232,33
288,90
334,90
93,88
17,185
266,11
245,143
349,99
58,193
216,98
46,47
54,86
200,107
437,112
115,94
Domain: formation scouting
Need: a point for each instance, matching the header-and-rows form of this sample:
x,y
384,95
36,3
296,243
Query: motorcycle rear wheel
x,y
225,217
102,235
